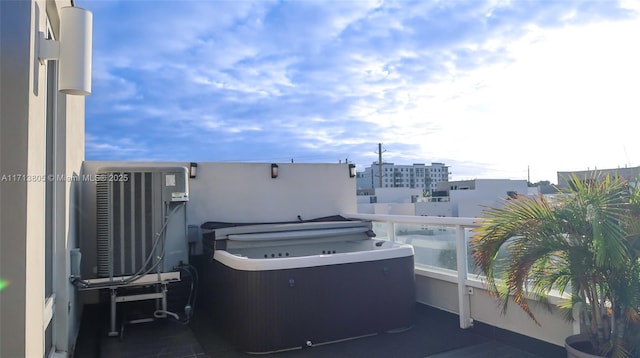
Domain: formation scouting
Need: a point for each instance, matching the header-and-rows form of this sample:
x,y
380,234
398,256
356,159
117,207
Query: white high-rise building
x,y
417,176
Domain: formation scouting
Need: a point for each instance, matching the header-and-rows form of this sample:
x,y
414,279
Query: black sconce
x,y
352,170
193,170
274,170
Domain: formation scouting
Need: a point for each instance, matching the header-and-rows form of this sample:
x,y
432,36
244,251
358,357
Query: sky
x,y
494,89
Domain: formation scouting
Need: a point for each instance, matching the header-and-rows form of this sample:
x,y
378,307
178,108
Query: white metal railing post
x,y
391,231
464,310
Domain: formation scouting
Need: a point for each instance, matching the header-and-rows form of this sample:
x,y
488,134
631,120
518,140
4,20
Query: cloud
x,y
434,81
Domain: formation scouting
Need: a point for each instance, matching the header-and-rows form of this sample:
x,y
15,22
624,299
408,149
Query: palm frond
x,y
587,242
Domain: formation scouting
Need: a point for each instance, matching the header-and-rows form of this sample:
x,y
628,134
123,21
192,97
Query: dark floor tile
x,y
434,332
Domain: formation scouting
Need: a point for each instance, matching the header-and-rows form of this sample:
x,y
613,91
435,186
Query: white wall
x,y
553,327
462,203
484,308
394,209
365,208
434,208
389,201
396,195
22,203
245,192
16,96
241,192
387,209
72,155
487,192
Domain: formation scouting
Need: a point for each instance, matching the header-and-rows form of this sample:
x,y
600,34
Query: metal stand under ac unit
x,y
160,281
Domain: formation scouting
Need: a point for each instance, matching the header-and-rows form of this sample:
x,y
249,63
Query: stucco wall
x,y
484,308
71,117
553,328
22,200
434,208
397,195
15,96
387,209
240,192
487,192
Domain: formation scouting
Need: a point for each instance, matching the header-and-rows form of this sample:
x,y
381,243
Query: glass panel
x,y
434,246
380,228
472,270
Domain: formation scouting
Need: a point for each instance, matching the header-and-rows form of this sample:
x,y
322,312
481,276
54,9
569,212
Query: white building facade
x,y
468,198
41,148
630,174
415,176
389,201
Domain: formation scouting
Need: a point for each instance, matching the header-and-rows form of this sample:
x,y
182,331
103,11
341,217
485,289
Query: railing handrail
x,y
413,219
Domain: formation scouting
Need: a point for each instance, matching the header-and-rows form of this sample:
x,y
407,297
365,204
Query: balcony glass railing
x,y
434,239
440,245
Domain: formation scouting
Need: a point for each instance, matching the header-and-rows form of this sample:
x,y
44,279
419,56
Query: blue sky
x,y
487,87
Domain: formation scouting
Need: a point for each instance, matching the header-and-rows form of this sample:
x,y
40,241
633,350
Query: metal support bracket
x,y
161,281
47,49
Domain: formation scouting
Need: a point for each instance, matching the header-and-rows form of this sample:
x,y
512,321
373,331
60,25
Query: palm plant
x,y
585,244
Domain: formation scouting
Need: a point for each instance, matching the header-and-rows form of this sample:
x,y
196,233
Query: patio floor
x,y
435,334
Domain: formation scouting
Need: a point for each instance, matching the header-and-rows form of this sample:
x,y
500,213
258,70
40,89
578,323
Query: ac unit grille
x,y
127,219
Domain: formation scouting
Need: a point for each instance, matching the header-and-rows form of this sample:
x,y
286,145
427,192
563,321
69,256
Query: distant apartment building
x,y
415,176
388,201
469,198
630,174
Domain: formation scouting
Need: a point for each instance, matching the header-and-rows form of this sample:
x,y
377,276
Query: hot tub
x,y
285,286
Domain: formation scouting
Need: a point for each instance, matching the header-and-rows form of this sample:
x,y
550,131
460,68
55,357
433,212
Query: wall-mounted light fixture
x,y
72,50
193,170
352,170
274,170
